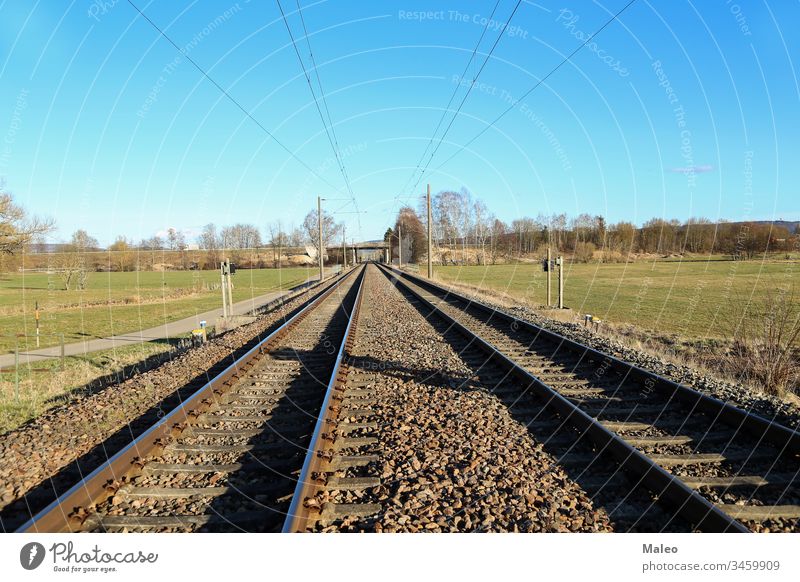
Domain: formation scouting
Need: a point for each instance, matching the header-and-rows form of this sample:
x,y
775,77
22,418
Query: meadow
x,y
33,390
121,302
692,299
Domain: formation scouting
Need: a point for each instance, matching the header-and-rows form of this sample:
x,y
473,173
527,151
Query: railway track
x,y
228,458
715,466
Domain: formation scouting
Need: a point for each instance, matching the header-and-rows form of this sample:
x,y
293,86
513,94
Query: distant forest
x,y
463,222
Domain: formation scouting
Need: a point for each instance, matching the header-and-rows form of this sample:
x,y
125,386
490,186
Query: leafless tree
x,y
209,241
120,255
278,240
176,241
482,225
240,236
330,229
413,233
296,238
17,229
72,262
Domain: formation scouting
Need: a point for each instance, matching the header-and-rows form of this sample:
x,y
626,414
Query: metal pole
x,y
344,248
224,287
549,266
430,236
561,282
399,246
230,290
37,324
319,237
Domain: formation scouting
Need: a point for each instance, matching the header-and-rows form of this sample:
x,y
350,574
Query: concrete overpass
x,y
370,250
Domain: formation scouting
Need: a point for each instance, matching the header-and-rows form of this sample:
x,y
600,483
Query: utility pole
x,y
430,236
319,237
549,298
560,261
344,248
399,246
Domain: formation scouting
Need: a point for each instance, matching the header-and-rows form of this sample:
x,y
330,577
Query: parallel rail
x,y
520,349
322,455
68,513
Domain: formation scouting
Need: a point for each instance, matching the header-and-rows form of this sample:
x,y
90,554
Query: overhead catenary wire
x,y
329,131
467,94
452,96
230,97
537,84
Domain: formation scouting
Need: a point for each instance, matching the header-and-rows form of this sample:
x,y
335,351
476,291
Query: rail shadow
x,y
44,491
261,491
628,508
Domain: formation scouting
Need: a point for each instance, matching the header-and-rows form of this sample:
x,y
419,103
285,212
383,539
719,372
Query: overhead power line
x,y
330,131
466,95
230,97
538,83
452,96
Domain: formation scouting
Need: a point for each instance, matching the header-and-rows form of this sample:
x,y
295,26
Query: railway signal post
x,y
560,263
430,236
224,287
547,265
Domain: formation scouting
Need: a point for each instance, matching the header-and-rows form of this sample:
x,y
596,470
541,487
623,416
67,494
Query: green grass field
x,y
116,303
692,299
44,385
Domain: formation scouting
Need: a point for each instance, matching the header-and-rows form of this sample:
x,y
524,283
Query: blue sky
x,y
680,109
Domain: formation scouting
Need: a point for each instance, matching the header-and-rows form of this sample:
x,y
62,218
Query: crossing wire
x,y
466,95
537,84
327,110
230,97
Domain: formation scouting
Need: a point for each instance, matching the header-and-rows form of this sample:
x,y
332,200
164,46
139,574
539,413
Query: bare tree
x,y
176,241
72,261
17,229
311,229
120,254
413,232
498,239
296,238
482,226
278,240
209,241
240,236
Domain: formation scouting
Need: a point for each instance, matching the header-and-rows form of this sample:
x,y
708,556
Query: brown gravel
x,y
51,452
454,459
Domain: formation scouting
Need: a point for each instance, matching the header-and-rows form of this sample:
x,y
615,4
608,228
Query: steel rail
x,y
298,515
67,512
669,488
782,436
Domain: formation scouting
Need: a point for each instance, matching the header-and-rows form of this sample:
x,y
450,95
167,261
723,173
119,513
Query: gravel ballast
x,y
52,452
453,457
770,407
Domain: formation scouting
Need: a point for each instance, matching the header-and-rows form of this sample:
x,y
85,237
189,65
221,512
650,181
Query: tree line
x,y
466,231
242,243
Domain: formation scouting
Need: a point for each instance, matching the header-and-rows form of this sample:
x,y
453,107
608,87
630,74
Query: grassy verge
x,y
43,385
116,303
689,299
